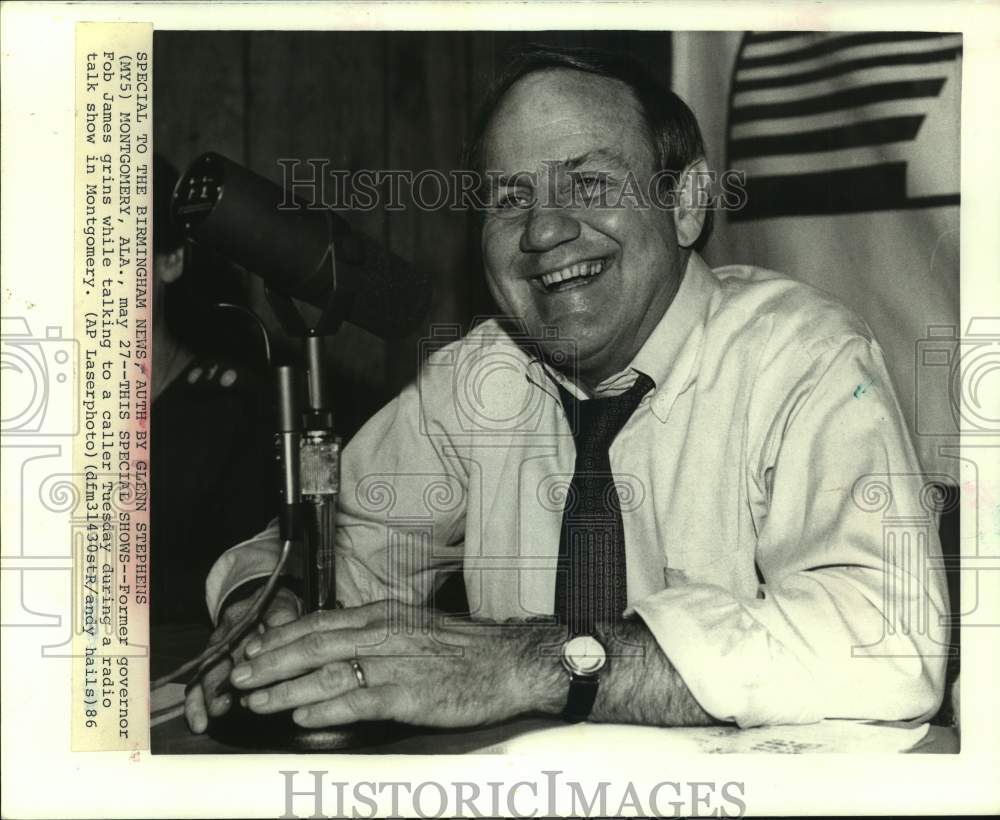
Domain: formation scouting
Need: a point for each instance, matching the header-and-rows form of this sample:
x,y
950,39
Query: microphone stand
x,y
307,451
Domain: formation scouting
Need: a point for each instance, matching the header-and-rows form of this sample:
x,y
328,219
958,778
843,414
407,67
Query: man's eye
x,y
513,200
590,181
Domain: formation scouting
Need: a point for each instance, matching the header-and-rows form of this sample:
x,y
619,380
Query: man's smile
x,y
576,275
602,276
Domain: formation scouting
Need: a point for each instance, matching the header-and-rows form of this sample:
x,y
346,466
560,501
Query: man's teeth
x,y
577,271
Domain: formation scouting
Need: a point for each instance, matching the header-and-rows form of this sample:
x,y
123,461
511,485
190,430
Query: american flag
x,y
848,122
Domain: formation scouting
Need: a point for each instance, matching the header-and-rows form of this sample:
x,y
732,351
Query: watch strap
x,y
581,697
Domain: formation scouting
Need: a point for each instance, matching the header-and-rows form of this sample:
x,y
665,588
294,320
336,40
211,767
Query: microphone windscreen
x,y
257,224
391,297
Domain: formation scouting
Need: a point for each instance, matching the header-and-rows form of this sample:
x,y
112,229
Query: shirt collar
x,y
660,353
666,356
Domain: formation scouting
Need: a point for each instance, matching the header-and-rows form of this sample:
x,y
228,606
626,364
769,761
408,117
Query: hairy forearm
x,y
639,684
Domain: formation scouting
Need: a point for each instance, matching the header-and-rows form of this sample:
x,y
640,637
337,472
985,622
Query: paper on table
x,y
823,737
828,736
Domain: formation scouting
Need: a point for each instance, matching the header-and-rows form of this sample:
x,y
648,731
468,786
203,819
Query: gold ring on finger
x,y
359,673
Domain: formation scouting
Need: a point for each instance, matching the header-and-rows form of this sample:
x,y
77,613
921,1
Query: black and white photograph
x,y
530,402
492,409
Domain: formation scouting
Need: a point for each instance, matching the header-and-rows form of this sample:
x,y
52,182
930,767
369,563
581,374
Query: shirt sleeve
x,y
849,621
400,512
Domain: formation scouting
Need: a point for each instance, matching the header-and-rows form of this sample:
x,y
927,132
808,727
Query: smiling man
x,y
603,276
652,475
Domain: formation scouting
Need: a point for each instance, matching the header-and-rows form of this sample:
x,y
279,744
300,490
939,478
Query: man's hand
x,y
418,669
208,697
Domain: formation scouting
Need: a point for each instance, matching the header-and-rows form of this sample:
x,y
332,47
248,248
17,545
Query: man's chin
x,y
579,361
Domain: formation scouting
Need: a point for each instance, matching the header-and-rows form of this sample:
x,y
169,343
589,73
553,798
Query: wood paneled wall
x,y
376,100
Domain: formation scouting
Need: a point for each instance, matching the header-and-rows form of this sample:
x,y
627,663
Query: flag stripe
x,y
921,58
778,46
820,161
864,76
830,45
834,192
849,98
851,53
873,132
830,119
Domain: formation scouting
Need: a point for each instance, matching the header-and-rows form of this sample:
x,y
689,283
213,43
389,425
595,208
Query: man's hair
x,y
671,126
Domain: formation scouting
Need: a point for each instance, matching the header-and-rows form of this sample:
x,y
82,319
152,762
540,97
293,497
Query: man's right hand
x,y
210,696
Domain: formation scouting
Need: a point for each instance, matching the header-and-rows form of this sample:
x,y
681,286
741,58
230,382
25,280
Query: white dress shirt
x,y
778,544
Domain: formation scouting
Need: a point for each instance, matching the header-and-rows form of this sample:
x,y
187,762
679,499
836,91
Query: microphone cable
x,y
215,651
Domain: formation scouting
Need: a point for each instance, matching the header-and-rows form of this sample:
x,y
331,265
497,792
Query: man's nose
x,y
547,227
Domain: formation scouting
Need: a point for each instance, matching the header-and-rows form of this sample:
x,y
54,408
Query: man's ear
x,y
693,198
170,266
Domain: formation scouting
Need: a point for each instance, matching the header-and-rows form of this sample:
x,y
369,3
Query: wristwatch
x,y
583,657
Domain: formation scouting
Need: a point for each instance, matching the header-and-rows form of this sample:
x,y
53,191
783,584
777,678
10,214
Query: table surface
x,y
172,645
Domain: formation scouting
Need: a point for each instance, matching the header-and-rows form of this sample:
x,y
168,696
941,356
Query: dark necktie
x,y
590,578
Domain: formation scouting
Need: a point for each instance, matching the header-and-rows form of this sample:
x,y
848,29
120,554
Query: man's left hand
x,y
419,666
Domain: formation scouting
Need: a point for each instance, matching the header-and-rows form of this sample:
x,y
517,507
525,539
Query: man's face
x,y
603,276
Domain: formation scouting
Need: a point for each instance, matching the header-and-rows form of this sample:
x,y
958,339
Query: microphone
x,y
287,441
235,211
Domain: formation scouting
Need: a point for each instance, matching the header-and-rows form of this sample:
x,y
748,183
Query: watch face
x,y
584,655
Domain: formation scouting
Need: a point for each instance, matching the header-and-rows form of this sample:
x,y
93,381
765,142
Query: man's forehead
x,y
555,115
